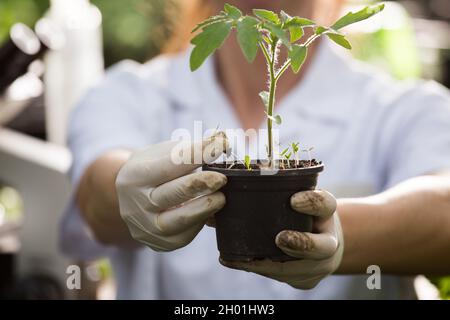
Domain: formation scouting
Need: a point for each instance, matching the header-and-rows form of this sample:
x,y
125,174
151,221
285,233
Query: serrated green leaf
x,y
296,33
265,96
232,11
353,17
278,32
208,41
267,15
299,22
209,21
334,35
297,54
248,37
340,40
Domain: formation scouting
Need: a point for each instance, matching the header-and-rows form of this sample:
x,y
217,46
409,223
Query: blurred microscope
x,y
20,80
43,72
52,65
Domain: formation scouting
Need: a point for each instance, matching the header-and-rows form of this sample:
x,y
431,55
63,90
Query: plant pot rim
x,y
238,172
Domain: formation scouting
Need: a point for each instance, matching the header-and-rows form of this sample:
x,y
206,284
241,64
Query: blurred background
x,y
52,51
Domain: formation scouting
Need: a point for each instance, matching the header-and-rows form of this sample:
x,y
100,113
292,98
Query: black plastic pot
x,y
258,208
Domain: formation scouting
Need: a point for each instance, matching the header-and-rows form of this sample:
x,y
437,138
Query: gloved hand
x,y
321,252
163,202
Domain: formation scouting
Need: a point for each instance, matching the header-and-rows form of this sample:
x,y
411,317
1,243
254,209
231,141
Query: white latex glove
x,y
164,204
321,252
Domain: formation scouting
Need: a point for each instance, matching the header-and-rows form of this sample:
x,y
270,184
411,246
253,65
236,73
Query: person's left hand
x,y
320,252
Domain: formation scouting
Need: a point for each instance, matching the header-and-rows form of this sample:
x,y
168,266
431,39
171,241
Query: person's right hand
x,y
164,204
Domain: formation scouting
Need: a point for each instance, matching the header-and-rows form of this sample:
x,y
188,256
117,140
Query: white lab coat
x,y
370,131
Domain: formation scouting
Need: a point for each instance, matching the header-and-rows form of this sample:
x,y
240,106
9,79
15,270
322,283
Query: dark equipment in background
x,y
18,53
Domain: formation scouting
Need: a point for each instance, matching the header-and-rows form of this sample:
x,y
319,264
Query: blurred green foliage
x,y
11,205
26,11
132,29
443,285
390,46
394,51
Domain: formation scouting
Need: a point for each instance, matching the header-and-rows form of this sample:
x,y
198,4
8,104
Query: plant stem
x,y
274,77
312,39
266,53
285,66
273,86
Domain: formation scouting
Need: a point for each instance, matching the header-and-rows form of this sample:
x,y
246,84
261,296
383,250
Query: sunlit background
x,y
410,40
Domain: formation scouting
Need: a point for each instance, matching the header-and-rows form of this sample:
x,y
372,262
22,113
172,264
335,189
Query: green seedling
x,y
295,150
292,150
285,155
266,31
284,152
247,163
288,159
308,151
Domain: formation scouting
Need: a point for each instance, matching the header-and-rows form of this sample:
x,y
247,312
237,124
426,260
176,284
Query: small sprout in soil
x,y
284,152
247,163
288,159
309,153
292,150
295,149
